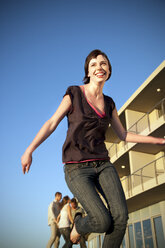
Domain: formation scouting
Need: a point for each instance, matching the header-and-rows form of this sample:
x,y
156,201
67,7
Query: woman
x,y
87,166
63,220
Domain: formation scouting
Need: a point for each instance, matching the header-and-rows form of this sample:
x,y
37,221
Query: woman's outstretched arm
x,y
131,137
46,130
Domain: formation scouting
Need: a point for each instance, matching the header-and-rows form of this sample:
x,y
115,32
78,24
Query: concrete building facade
x,y
141,167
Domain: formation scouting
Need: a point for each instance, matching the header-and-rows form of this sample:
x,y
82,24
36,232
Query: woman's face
x,y
98,69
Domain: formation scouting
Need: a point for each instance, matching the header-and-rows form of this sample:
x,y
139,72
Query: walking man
x,y
53,212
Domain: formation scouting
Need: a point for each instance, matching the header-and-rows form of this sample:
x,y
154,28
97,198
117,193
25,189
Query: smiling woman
x,y
91,61
87,164
98,69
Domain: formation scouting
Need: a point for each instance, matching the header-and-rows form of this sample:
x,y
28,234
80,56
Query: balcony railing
x,y
139,126
145,121
144,178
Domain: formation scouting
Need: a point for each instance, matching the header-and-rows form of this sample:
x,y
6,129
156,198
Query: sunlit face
x,y
58,197
74,206
98,69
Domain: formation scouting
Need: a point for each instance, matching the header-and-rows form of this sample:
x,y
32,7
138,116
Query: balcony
x,y
147,121
145,178
147,124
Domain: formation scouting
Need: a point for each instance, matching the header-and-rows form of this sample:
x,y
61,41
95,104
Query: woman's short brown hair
x,y
90,56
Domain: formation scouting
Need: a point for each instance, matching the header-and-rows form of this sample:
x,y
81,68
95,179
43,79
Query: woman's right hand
x,y
26,161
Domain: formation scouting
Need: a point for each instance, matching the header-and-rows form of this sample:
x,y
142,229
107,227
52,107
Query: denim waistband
x,y
95,163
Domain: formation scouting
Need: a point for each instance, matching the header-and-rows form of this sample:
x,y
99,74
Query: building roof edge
x,y
146,82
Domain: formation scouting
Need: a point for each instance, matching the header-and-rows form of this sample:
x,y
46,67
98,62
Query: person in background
x,y
53,212
87,164
76,209
64,220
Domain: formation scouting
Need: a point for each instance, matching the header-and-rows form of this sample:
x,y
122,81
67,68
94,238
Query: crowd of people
x,y
61,215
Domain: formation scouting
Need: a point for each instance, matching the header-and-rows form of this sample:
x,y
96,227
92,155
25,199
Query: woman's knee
x,y
103,222
121,219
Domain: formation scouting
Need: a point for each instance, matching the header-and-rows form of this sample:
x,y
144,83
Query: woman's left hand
x,y
161,141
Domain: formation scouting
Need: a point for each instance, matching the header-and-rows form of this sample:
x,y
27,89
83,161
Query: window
x,y
147,231
102,238
138,235
131,240
146,234
98,241
123,243
159,232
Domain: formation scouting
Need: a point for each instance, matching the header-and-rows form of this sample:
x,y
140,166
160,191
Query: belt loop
x,y
95,163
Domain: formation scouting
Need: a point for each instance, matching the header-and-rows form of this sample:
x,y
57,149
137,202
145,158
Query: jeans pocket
x,y
68,168
73,170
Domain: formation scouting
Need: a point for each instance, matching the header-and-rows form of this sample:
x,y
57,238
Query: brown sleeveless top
x,y
86,128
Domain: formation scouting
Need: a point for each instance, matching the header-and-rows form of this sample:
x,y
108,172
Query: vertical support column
x,y
162,210
163,110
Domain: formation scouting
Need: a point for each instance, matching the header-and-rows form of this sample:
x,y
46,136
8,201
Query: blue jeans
x,y
66,235
85,180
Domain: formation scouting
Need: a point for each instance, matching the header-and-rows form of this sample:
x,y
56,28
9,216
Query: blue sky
x,y
43,47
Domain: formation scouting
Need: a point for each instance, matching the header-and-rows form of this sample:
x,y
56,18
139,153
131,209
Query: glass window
x,y
123,243
102,239
98,241
159,232
148,240
138,235
130,231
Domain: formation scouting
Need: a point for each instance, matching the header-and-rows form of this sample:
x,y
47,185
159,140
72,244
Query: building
x,y
141,167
